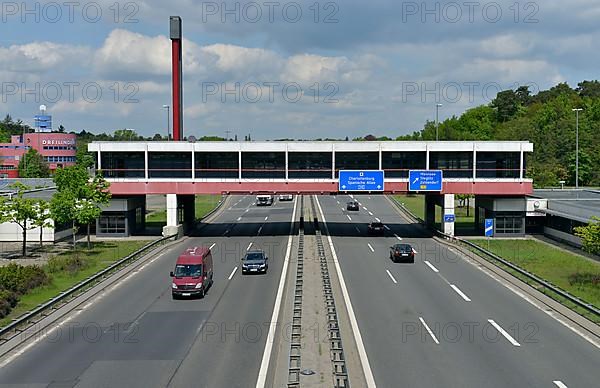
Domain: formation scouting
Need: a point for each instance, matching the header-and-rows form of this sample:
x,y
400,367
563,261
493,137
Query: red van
x,y
193,273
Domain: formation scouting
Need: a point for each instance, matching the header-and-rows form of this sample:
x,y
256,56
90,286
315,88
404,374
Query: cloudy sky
x,y
299,69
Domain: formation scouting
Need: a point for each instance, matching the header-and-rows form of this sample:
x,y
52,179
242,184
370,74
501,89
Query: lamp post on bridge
x,y
577,110
168,108
437,122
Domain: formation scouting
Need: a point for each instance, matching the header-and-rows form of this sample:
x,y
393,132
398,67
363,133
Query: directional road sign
x,y
425,180
449,218
489,227
356,180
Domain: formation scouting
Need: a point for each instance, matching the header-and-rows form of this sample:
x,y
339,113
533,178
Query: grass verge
x,y
94,260
204,204
575,274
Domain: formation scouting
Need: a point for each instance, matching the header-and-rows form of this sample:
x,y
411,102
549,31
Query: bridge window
x,y
216,164
356,161
122,164
263,165
397,164
454,164
309,165
169,165
498,164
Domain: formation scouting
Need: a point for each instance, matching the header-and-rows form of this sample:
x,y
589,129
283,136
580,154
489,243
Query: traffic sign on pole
x,y
449,218
361,180
425,180
489,227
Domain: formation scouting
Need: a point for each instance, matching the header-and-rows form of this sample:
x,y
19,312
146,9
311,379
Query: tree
x,y
42,219
19,210
590,235
33,165
507,105
78,199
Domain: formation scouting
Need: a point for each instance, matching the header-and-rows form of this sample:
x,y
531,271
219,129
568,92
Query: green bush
x,y
20,278
71,264
8,300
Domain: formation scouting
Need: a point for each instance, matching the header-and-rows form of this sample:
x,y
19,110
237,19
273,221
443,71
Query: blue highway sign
x,y
449,218
425,180
489,227
355,180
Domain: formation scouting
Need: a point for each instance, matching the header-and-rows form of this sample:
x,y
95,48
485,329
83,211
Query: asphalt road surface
x,y
135,335
442,322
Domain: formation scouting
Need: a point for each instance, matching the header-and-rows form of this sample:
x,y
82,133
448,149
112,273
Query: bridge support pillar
x,y
173,226
448,202
430,201
187,206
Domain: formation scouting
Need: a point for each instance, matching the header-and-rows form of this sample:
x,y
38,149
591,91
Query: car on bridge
x,y
352,206
402,252
193,273
286,197
255,262
376,229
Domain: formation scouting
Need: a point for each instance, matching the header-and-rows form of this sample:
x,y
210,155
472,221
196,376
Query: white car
x,y
286,197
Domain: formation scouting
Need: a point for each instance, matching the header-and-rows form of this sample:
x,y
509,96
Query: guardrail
x,y
52,303
536,279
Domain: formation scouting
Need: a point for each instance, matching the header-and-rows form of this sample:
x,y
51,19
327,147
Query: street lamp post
x,y
168,108
577,110
437,123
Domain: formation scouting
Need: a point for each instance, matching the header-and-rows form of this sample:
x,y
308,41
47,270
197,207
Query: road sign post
x,y
489,229
361,180
425,180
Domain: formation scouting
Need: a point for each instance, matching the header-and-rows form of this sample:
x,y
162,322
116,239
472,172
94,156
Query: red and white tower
x,y
177,77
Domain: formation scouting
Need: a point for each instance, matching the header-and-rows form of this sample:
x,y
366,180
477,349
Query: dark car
x,y
352,205
376,228
255,262
402,252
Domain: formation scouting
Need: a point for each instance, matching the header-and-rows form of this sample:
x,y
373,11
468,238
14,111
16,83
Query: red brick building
x,y
58,150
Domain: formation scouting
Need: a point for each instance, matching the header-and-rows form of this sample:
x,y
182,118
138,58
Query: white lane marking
x,y
459,292
351,196
504,333
338,202
76,312
212,246
358,230
249,245
560,384
232,273
414,251
429,331
398,237
348,217
239,218
371,248
266,218
386,227
391,276
246,211
259,229
264,365
365,209
227,231
362,353
370,213
229,209
431,266
377,219
359,204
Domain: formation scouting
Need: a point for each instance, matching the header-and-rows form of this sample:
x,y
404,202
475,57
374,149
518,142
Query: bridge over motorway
x,y
181,169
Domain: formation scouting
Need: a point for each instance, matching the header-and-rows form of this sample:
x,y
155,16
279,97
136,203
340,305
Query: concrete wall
x,y
10,232
557,234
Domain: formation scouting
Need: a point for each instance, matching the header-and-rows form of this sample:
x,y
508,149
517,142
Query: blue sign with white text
x,y
425,180
489,227
368,180
449,218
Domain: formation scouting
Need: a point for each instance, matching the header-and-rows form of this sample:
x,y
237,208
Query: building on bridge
x,y
180,170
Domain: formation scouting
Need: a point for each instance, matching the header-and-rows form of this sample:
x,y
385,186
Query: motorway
x,y
440,322
135,335
429,324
